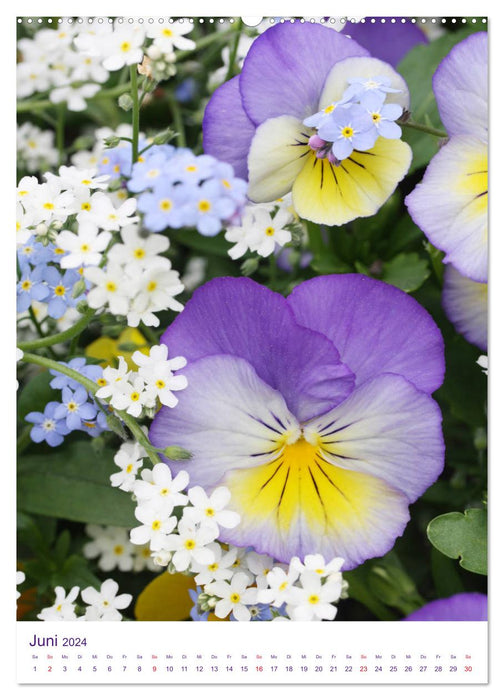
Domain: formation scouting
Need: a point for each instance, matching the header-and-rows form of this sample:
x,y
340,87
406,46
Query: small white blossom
x,y
482,361
112,546
157,372
235,596
280,584
190,545
161,491
219,570
20,578
110,289
313,599
84,248
156,525
63,608
105,603
209,510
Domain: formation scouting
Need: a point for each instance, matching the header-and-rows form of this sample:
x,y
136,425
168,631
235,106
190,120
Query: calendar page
x,y
251,289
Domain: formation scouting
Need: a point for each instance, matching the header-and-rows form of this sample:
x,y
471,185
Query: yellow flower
x,y
108,349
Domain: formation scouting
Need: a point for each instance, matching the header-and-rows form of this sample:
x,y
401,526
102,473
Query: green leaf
x,y
465,385
75,572
445,575
408,271
212,245
462,535
359,589
73,483
417,68
327,263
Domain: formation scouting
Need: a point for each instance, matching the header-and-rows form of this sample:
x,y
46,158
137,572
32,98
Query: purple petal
x,y
227,130
388,41
228,418
375,327
466,304
464,607
286,68
240,317
387,429
462,94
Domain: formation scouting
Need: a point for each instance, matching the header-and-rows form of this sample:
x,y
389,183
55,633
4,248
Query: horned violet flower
x,y
262,123
450,204
314,411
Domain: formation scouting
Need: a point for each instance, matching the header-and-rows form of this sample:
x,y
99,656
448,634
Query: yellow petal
x,y
107,349
166,598
326,194
277,154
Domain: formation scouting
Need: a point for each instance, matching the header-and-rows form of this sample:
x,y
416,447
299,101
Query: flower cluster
x,y
100,606
154,382
73,61
77,409
356,120
181,527
35,148
180,189
450,204
114,550
263,229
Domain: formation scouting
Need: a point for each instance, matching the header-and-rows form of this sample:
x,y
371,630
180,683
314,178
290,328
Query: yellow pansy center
x,y
269,231
111,286
190,544
125,46
139,253
235,597
313,599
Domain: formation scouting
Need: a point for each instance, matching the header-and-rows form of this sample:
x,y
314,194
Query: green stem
x,y
178,122
426,129
135,112
93,387
234,51
60,133
62,337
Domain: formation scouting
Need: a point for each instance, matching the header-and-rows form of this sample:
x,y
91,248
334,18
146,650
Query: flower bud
x,y
125,102
176,453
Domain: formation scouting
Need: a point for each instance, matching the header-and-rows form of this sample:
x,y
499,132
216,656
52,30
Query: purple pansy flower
x,y
464,607
47,427
450,205
255,123
314,411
